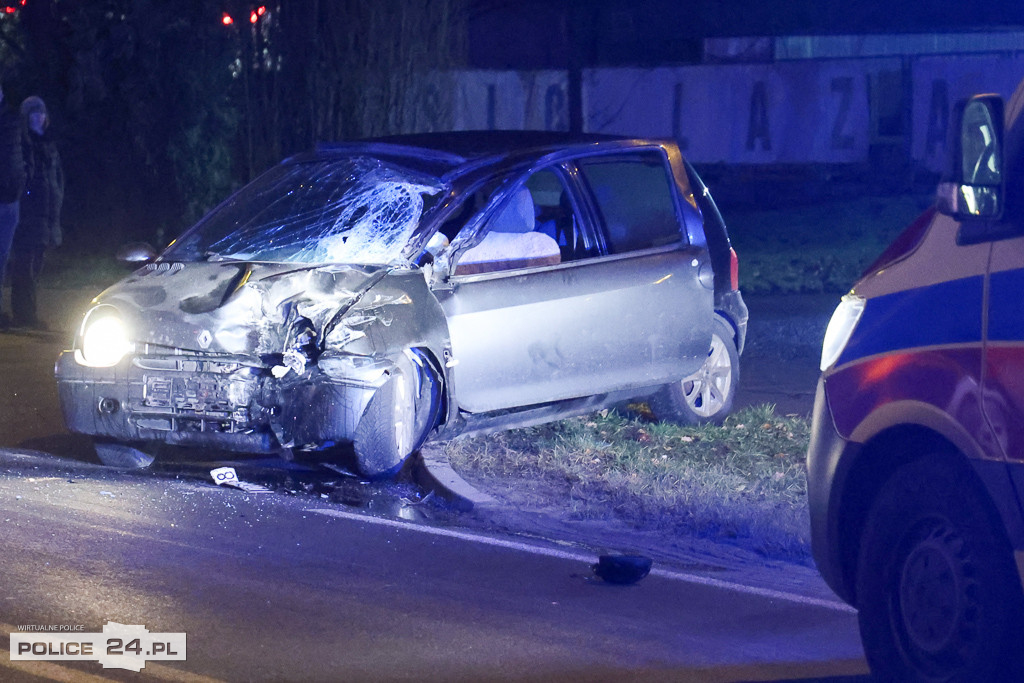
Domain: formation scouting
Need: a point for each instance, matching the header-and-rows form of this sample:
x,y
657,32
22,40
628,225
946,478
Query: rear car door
x,y
623,308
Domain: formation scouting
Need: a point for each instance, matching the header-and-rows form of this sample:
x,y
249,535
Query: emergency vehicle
x,y
916,460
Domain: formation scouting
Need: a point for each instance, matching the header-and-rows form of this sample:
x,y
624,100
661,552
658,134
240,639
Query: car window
x,y
535,225
557,216
508,239
635,200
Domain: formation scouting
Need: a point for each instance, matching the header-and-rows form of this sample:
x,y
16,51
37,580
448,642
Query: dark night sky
x,y
536,33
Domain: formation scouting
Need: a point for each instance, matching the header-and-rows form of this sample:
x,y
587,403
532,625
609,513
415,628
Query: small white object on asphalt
x,y
226,476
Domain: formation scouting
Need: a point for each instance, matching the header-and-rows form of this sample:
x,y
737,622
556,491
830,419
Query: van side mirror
x,y
975,187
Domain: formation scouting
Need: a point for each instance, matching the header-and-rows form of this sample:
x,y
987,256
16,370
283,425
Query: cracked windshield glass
x,y
360,211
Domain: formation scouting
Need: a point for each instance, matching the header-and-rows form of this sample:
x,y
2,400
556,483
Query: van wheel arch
x,y
878,460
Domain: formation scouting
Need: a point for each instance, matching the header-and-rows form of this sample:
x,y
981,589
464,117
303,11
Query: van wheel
x,y
708,394
938,594
122,456
398,418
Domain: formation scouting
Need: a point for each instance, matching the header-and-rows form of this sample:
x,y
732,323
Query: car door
x,y
622,308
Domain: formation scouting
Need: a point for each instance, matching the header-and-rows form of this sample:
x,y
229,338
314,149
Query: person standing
x,y
12,184
39,222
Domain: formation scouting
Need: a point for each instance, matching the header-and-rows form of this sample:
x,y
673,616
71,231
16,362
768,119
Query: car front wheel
x,y
938,594
398,418
708,394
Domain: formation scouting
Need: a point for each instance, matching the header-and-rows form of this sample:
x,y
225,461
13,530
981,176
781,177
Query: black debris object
x,y
622,569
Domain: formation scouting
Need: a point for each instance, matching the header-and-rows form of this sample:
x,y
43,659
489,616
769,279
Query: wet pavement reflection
x,y
403,497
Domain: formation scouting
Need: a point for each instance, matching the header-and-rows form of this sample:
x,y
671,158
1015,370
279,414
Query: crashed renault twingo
x,y
366,297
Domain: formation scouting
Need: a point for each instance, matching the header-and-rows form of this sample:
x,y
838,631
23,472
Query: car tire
x,y
122,456
938,593
708,394
397,419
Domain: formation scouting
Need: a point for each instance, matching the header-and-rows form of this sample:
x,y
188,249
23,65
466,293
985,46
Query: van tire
x,y
937,589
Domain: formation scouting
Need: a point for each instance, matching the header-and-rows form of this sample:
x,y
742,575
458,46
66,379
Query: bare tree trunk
x,y
345,69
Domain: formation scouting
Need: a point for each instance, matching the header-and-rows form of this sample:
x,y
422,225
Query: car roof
x,y
458,153
474,144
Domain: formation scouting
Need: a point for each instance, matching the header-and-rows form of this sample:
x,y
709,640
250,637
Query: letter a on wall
x,y
757,127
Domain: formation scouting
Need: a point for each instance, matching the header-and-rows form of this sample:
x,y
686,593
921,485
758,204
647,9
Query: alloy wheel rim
x,y
707,390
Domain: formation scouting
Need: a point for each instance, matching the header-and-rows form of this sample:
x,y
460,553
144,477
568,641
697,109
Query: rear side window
x,y
634,196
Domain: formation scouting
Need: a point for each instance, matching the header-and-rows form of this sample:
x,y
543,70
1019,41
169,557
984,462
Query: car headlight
x,y
840,327
104,338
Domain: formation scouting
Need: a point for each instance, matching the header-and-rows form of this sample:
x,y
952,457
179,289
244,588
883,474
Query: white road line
x,y
580,557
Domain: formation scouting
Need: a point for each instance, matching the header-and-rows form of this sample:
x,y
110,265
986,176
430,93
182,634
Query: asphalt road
x,y
275,587
302,585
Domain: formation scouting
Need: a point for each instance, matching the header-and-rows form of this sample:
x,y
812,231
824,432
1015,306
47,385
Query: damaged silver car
x,y
367,297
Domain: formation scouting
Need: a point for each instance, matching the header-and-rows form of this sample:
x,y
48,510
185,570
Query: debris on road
x,y
340,470
421,501
622,569
226,476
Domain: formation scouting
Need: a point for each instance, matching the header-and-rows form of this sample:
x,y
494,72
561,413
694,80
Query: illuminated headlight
x,y
840,327
104,338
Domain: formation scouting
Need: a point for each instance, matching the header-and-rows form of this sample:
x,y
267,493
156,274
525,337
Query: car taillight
x,y
734,270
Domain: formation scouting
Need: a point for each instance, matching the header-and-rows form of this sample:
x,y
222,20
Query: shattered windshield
x,y
357,210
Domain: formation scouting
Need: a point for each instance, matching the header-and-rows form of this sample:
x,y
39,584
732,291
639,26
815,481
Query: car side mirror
x,y
135,254
975,187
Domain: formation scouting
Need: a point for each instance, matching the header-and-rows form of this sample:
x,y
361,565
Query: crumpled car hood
x,y
233,307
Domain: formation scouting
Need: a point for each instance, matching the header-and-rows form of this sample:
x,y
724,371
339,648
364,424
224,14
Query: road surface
x,y
305,585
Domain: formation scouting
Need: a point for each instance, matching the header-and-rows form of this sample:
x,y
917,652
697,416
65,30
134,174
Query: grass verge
x,y
819,248
743,481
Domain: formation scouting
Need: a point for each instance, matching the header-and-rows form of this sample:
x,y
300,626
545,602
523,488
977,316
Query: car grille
x,y
194,393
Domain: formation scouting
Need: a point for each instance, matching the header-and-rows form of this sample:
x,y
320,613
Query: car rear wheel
x,y
122,455
398,418
708,394
938,594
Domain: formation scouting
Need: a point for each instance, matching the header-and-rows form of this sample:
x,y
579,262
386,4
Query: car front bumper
x,y
225,404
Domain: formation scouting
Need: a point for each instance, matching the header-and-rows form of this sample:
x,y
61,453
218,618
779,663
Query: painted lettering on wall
x,y
432,107
677,117
492,105
757,126
555,110
842,87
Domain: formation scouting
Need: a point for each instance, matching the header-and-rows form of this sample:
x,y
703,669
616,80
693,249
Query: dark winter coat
x,y
39,224
12,160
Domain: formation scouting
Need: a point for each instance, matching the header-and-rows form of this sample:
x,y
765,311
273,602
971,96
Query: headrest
x,y
517,216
